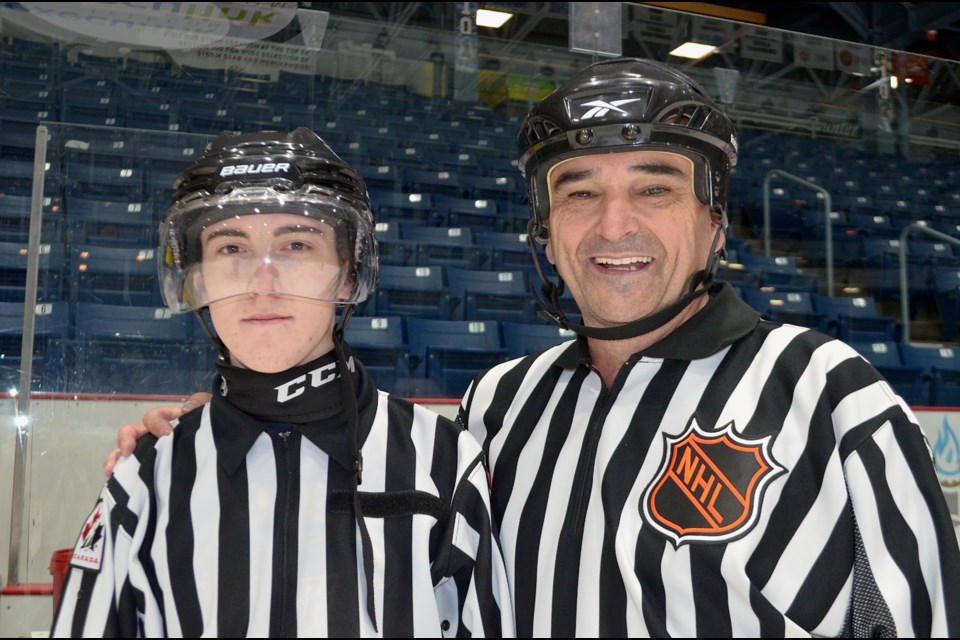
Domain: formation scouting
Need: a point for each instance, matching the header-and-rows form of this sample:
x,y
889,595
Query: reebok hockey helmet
x,y
239,176
626,104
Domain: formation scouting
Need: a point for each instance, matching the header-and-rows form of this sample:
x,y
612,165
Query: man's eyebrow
x,y
226,233
297,228
652,168
657,168
568,176
279,231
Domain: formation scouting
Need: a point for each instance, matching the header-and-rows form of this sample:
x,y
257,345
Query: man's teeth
x,y
623,261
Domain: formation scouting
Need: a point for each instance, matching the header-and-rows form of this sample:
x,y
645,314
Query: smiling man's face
x,y
626,232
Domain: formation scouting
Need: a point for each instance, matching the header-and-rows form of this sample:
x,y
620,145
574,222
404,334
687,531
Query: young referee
x,y
301,501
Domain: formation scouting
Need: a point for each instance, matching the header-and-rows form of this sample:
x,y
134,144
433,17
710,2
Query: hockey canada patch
x,y
710,485
88,553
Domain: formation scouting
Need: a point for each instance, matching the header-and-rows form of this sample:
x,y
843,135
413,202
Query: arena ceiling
x,y
926,28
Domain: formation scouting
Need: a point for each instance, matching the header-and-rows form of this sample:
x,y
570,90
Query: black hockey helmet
x,y
627,104
266,172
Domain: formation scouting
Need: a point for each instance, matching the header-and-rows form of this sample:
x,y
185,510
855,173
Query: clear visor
x,y
247,244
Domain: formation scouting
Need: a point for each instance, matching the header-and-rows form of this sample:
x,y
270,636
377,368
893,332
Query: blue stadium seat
x,y
525,338
444,246
449,353
412,291
907,380
854,319
380,343
116,177
104,221
946,296
393,205
114,275
392,249
14,257
432,181
480,213
131,349
15,211
779,271
495,187
941,365
491,295
51,329
386,177
794,307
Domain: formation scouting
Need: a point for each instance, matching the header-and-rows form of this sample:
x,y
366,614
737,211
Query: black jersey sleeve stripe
x,y
234,552
899,537
146,475
776,396
802,484
179,533
122,620
914,446
472,507
84,598
823,582
400,473
503,395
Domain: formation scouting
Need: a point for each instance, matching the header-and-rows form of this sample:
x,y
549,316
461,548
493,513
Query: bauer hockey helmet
x,y
239,176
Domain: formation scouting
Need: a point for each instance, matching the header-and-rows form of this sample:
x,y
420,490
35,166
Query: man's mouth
x,y
633,263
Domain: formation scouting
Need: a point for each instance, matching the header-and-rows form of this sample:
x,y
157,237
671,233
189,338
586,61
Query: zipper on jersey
x,y
285,465
583,480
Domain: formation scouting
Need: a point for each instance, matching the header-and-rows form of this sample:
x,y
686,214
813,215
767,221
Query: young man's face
x,y
267,277
627,232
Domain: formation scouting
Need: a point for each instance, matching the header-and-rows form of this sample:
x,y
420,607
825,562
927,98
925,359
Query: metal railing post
x,y
904,284
828,241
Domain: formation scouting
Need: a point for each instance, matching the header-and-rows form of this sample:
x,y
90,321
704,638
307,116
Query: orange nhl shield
x,y
709,485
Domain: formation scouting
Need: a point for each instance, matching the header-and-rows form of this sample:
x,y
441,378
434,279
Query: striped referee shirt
x,y
233,528
739,478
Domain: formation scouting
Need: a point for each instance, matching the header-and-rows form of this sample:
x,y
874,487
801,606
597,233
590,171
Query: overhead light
x,y
693,50
492,19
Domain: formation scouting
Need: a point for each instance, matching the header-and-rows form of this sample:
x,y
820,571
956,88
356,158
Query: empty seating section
x,y
457,275
447,354
51,324
132,349
381,344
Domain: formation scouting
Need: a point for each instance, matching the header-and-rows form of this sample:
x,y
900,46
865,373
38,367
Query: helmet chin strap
x,y
552,311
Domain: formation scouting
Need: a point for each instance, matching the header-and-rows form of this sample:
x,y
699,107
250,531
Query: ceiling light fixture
x,y
693,50
492,19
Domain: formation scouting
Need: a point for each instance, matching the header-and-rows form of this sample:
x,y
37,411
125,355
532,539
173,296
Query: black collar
x,y
307,396
724,320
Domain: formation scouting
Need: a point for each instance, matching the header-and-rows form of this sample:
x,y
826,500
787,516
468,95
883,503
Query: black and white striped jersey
x,y
740,478
232,528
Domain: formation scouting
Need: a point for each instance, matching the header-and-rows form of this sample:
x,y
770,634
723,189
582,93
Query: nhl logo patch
x,y
88,552
710,485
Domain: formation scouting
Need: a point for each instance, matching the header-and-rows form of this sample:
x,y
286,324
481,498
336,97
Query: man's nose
x,y
265,276
618,218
